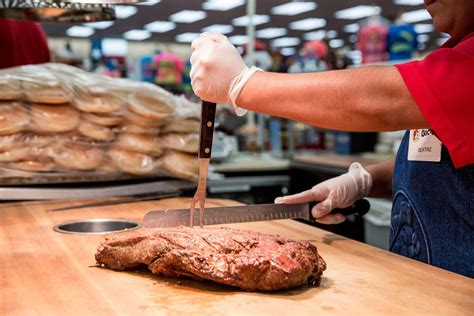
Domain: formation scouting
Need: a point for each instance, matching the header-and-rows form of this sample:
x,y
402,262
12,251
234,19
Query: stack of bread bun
x,y
57,119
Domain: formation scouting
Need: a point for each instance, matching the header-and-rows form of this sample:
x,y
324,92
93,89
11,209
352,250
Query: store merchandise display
x,y
59,120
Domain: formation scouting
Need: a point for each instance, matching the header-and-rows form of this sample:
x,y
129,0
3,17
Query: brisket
x,y
245,259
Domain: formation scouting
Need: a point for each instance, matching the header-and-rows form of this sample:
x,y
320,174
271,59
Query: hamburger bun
x,y
76,156
45,93
188,143
15,154
151,104
103,120
137,119
180,165
182,126
137,129
141,143
13,118
132,162
10,89
53,119
32,165
96,132
8,142
105,104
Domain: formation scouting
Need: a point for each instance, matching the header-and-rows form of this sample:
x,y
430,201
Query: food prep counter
x,y
45,272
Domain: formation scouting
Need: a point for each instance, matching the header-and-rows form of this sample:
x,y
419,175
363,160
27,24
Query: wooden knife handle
x,y
208,115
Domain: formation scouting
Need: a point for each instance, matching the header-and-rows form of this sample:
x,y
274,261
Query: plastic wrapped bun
x,y
96,132
9,142
33,166
104,104
188,143
52,119
141,143
138,129
180,165
137,119
13,118
132,162
103,120
46,93
182,126
10,89
15,154
76,156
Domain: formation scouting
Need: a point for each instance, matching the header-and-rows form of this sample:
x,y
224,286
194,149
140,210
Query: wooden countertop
x,y
47,273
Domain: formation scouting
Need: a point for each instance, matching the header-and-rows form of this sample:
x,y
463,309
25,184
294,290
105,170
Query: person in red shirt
x,y
432,179
22,43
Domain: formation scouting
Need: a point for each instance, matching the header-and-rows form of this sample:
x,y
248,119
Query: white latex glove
x,y
218,73
339,192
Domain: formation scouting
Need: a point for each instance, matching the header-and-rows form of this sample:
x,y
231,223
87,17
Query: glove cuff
x,y
238,84
362,178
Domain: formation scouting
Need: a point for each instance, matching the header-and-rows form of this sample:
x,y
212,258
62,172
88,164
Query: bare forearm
x,y
382,174
364,99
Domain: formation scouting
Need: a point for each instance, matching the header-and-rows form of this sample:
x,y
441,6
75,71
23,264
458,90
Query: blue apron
x,y
433,212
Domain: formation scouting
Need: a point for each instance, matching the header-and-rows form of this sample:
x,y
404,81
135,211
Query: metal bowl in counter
x,y
96,226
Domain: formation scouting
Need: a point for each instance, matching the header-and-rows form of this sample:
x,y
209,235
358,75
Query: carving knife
x,y
241,214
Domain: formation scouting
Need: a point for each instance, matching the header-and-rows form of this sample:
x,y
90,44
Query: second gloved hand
x,y
339,192
218,73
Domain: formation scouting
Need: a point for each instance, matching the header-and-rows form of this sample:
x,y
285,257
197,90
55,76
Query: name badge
x,y
424,146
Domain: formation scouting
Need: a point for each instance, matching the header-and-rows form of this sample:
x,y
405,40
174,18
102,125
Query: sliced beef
x,y
245,259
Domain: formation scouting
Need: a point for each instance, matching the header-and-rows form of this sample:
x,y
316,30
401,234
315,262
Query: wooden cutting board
x,y
44,272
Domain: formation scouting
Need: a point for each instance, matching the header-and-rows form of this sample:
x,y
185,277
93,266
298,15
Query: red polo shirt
x,y
442,86
22,43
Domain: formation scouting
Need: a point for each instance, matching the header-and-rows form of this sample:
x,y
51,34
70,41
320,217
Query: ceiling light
x,y
114,47
423,38
137,35
79,31
219,28
286,41
125,11
188,16
100,25
288,51
148,2
220,5
336,43
352,28
358,12
294,8
353,38
187,37
408,2
424,28
160,26
271,32
312,36
307,24
415,16
239,39
245,20
331,34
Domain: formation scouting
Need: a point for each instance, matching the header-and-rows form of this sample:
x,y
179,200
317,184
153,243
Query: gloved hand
x,y
218,73
339,192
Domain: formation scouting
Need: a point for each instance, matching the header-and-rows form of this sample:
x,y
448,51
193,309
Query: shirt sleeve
x,y
442,86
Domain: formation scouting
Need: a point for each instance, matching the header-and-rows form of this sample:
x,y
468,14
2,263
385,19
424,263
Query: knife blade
x,y
242,214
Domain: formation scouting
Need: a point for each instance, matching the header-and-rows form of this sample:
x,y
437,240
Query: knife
x,y
242,214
